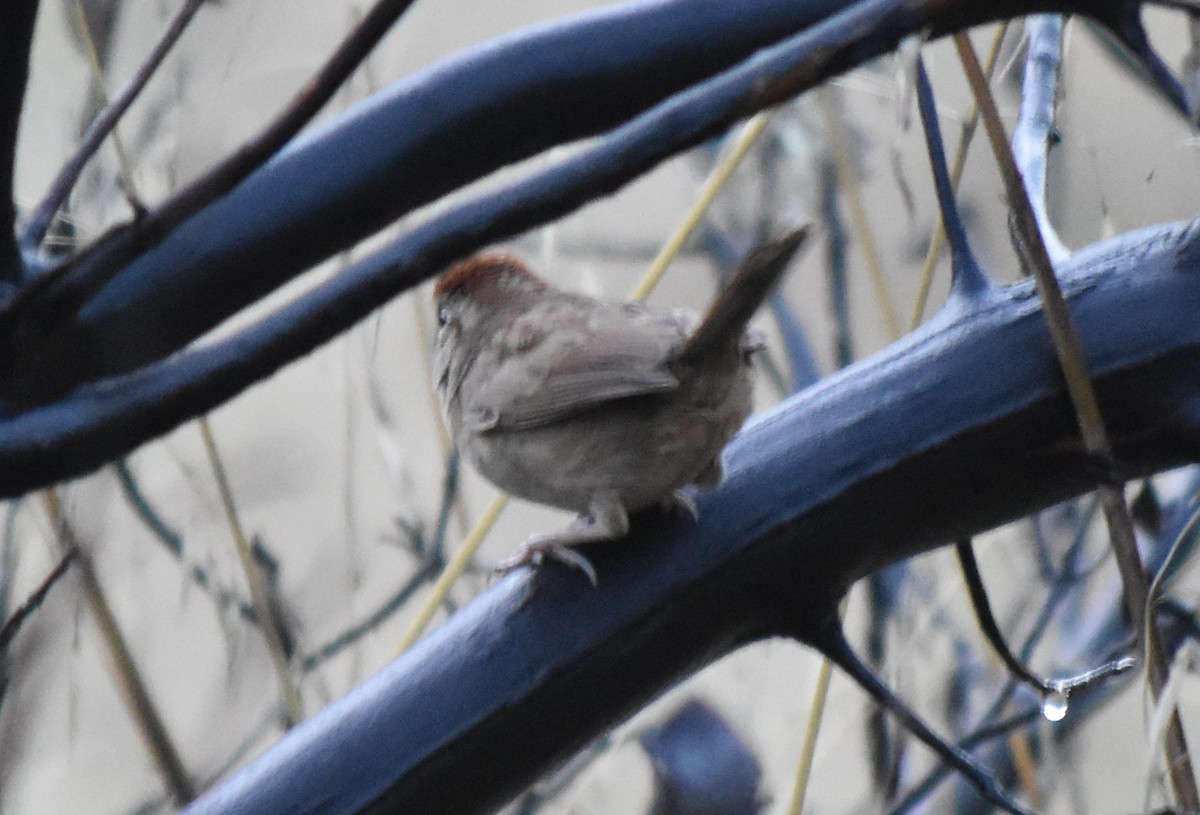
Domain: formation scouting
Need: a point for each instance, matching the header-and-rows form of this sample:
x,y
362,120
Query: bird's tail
x,y
754,279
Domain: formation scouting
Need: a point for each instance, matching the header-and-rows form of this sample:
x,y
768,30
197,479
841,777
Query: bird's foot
x,y
606,520
536,550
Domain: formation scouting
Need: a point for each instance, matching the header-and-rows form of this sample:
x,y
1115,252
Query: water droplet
x,y
1054,705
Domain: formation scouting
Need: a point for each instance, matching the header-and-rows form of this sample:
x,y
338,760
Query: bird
x,y
601,407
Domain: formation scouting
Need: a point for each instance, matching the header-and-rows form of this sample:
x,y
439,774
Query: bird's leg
x,y
712,475
606,520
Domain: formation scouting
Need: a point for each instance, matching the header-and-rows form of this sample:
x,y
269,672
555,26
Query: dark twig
x,y
966,135
836,242
145,713
426,571
171,539
15,620
1106,641
1061,580
190,384
780,541
127,242
833,645
173,542
261,233
1125,22
1064,582
436,548
991,629
431,564
101,126
991,729
1073,361
17,18
968,280
8,559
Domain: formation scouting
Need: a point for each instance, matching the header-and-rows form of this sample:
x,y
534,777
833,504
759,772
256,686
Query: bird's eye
x,y
443,317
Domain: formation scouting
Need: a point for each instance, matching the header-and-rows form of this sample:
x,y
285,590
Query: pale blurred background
x,y
335,460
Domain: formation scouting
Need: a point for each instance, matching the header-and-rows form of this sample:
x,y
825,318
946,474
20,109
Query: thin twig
x,y
373,621
1062,582
158,222
981,735
716,181
101,126
149,722
965,136
1069,350
13,624
224,596
453,571
991,629
808,749
254,577
433,560
858,213
124,165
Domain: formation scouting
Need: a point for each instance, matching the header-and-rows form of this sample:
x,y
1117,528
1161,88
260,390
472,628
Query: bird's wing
x,y
551,364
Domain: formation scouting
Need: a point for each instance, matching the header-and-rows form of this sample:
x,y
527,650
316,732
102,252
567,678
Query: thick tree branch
x,y
99,422
453,123
428,135
833,484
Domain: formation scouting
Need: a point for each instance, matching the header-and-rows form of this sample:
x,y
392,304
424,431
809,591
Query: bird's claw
x,y
686,502
535,552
